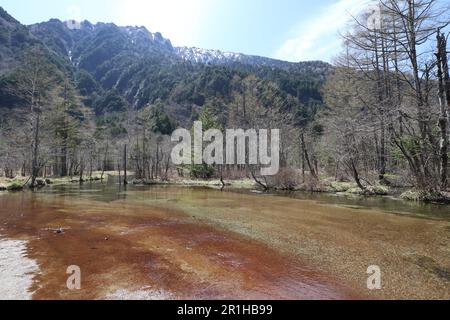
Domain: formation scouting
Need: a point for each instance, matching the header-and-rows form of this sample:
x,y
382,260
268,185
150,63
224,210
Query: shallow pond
x,y
167,242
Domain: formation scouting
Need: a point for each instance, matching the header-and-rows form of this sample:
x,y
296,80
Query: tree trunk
x,y
264,186
221,178
356,175
383,157
157,161
90,167
104,162
81,173
125,164
35,153
444,100
307,158
63,160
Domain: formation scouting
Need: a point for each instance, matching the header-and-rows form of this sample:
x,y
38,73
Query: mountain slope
x,y
14,40
115,68
218,57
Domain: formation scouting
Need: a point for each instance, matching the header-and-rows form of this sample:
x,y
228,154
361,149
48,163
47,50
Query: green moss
x,y
424,196
370,191
342,186
243,184
379,190
355,191
63,180
15,186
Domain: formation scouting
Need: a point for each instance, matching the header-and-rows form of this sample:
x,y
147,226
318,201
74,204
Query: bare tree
x,y
444,102
34,84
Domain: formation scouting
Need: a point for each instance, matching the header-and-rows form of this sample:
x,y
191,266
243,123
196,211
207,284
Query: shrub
x,y
370,191
286,179
425,196
342,186
15,186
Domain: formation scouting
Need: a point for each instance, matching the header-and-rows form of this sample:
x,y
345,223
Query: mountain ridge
x,y
115,68
192,54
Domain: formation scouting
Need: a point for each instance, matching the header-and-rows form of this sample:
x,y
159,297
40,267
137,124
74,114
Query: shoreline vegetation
x,y
374,122
325,185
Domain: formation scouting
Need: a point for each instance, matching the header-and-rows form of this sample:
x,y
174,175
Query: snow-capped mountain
x,y
73,43
217,57
199,55
140,35
114,67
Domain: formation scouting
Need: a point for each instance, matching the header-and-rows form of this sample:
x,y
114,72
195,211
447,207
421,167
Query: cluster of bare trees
x,y
26,130
150,155
50,133
259,105
386,115
389,97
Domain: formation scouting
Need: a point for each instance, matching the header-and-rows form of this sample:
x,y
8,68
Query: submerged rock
x,y
425,196
41,182
56,231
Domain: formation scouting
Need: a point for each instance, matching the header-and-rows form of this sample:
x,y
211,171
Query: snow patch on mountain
x,y
199,55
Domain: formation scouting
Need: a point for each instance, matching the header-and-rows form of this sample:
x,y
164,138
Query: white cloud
x,y
179,20
318,38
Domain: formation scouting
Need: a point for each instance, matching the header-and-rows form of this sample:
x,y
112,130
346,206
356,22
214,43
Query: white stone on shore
x,y
16,270
140,295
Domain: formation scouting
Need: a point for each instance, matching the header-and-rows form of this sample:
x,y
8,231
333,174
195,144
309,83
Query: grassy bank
x,y
325,185
22,183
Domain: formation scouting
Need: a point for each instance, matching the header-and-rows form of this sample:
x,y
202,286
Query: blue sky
x,y
293,30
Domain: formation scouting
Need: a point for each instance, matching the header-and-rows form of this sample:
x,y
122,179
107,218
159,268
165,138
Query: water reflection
x,y
113,191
